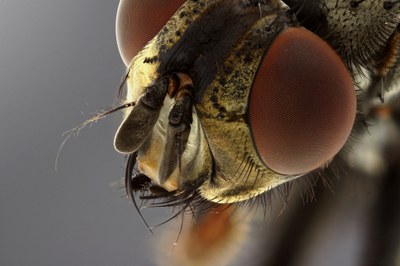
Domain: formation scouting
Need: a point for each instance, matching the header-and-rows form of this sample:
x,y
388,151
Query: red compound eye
x,y
302,104
138,21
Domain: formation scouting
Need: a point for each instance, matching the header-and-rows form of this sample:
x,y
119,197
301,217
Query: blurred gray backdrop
x,y
59,59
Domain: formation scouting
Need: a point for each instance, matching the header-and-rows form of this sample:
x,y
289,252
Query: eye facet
x,y
138,22
302,104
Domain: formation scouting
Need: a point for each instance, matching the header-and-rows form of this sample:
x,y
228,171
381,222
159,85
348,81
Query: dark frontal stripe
x,y
208,41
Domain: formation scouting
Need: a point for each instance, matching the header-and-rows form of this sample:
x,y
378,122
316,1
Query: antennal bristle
x,y
75,131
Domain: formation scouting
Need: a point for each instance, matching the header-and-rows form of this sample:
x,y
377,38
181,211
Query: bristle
x,y
96,117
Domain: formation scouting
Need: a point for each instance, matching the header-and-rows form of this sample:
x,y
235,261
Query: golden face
x,y
233,98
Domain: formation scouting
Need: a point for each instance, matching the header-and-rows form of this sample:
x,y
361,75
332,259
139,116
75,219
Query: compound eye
x,y
302,104
138,21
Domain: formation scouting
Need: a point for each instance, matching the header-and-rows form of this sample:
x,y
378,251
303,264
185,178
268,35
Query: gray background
x,y
58,59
